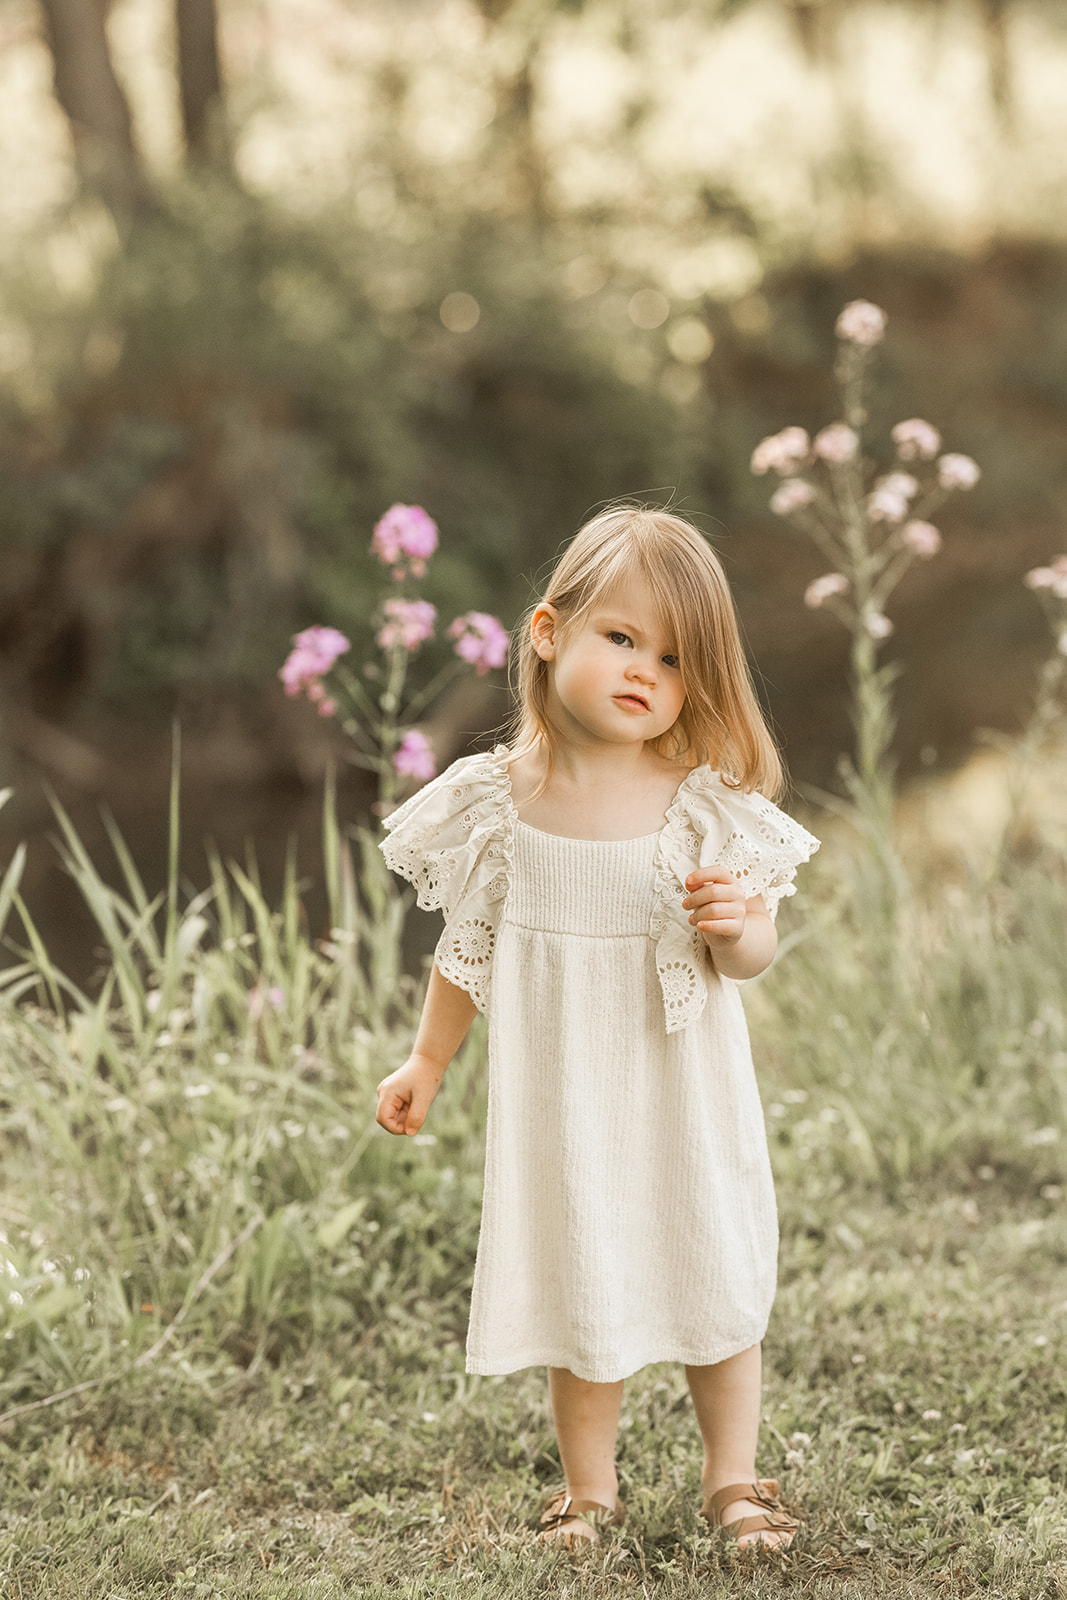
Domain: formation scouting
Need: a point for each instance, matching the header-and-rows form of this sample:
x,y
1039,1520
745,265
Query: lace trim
x,y
464,956
468,875
681,954
763,855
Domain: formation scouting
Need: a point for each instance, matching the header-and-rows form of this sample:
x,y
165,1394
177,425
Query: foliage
x,y
231,396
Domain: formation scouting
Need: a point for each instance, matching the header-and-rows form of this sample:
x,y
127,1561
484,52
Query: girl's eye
x,y
619,638
670,661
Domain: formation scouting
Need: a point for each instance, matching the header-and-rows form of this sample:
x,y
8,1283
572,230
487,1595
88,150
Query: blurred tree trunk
x,y
995,17
200,81
517,93
96,107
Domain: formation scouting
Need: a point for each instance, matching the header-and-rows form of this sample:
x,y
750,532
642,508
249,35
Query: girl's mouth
x,y
634,701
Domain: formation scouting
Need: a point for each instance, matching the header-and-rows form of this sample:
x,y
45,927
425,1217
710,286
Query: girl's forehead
x,y
631,601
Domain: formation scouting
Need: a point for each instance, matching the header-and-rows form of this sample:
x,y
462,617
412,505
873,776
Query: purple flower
x,y
314,653
958,472
781,452
405,531
837,443
408,623
480,640
414,759
916,438
861,323
791,495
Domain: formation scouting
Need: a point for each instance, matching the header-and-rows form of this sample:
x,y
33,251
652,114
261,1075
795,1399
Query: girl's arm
x,y
404,1097
738,932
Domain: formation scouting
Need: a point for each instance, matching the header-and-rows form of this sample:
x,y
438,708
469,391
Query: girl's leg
x,y
587,1422
726,1399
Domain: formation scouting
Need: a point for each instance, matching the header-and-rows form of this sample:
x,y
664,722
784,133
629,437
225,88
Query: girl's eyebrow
x,y
604,618
617,621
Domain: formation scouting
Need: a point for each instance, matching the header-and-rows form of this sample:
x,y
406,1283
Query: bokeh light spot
x,y
690,341
648,308
460,312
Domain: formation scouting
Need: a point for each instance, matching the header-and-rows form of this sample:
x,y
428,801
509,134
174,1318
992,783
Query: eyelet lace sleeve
x,y
452,840
710,824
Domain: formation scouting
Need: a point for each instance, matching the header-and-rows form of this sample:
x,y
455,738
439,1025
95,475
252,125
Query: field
x,y
265,1297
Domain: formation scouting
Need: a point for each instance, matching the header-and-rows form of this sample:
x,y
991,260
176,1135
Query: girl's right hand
x,y
405,1096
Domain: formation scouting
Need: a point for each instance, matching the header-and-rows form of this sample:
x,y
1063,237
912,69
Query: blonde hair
x,y
720,723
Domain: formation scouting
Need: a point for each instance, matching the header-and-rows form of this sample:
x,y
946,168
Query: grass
x,y
269,1295
914,1409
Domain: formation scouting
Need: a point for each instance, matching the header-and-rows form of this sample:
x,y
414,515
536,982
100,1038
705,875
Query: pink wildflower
x,y
1053,578
861,323
408,623
480,640
414,758
327,708
899,483
314,653
916,439
886,505
405,531
823,589
781,452
877,625
837,443
791,495
958,472
921,538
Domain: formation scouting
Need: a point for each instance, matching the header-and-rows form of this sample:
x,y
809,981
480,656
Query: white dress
x,y
629,1210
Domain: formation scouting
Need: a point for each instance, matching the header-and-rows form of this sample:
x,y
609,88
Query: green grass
x,y
191,1152
915,1399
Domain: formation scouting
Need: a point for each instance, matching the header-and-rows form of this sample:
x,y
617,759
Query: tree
x,y
96,107
88,89
200,80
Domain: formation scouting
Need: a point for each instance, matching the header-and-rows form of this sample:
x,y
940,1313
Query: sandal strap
x,y
762,1523
564,1508
764,1493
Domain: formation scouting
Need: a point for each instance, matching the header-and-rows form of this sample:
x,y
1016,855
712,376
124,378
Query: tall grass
x,y
218,1085
222,1076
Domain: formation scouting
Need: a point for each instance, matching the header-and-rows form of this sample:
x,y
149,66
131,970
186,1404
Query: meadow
x,y
257,1298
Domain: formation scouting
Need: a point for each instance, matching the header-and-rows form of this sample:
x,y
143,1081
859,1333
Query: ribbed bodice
x,y
596,887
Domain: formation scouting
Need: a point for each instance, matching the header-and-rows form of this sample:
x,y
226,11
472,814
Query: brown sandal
x,y
772,1519
564,1516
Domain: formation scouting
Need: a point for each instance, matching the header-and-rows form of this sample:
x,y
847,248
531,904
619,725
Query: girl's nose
x,y
644,668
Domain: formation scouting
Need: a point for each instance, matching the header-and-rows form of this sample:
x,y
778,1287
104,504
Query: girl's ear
x,y
543,625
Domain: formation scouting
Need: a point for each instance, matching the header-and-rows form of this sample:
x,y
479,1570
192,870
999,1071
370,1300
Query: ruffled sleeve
x,y
710,824
452,840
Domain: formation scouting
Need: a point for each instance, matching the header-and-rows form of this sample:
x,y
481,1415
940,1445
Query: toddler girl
x,y
606,879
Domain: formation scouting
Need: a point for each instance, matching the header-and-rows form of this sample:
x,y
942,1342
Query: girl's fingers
x,y
705,875
392,1110
717,901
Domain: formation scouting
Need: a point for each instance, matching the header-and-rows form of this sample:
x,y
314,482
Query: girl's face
x,y
614,676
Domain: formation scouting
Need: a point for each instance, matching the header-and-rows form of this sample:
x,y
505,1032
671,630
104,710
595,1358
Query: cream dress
x,y
629,1210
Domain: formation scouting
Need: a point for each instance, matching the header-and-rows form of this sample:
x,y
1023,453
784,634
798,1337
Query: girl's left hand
x,y
717,903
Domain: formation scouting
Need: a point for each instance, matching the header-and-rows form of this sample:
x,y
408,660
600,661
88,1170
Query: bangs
x,y
720,724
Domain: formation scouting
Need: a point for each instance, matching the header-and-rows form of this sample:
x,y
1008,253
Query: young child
x,y
606,879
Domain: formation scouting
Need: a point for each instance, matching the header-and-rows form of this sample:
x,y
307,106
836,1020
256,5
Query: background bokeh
x,y
268,267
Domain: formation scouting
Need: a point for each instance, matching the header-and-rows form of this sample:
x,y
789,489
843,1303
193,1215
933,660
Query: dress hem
x,y
605,1373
